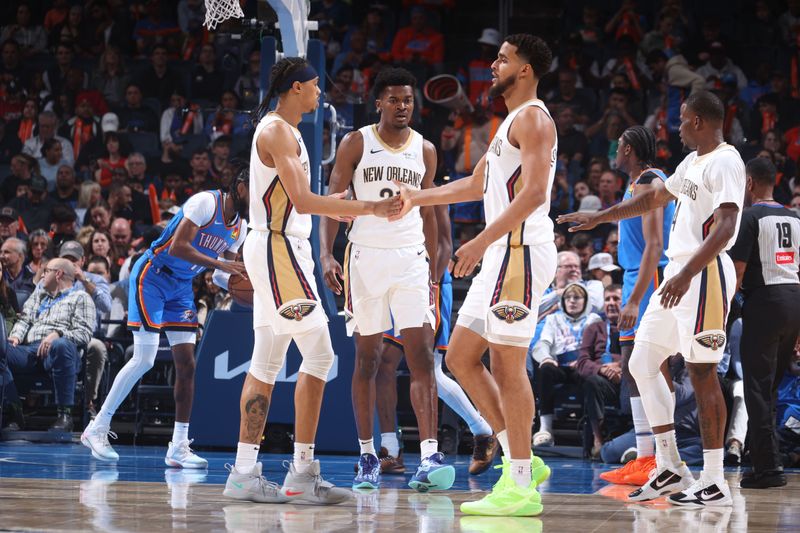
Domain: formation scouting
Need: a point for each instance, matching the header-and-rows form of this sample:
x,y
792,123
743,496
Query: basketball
x,y
241,290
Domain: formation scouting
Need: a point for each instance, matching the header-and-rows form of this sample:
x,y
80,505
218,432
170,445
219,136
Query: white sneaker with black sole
x,y
703,493
663,481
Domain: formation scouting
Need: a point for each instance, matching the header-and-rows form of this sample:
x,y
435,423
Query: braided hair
x,y
279,72
643,143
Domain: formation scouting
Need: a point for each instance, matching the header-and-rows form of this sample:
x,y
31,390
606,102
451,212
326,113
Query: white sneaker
x,y
252,486
663,481
95,438
180,455
309,487
703,493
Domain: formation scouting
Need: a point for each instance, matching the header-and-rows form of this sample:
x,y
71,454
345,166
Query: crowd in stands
x,y
113,113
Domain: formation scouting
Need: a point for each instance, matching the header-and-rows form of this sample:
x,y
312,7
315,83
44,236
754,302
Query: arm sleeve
x,y
726,179
200,208
748,235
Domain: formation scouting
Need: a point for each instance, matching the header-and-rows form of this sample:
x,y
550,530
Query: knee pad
x,y
646,359
317,351
707,347
269,353
181,337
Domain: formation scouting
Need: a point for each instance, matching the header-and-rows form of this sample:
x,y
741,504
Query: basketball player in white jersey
x,y
514,179
689,312
387,272
286,307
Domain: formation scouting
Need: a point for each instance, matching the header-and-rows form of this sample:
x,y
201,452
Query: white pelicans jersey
x,y
701,184
270,206
379,164
503,181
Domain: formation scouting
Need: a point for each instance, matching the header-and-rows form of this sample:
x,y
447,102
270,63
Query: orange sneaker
x,y
640,472
617,476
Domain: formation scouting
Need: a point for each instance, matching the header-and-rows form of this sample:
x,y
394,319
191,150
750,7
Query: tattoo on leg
x,y
256,409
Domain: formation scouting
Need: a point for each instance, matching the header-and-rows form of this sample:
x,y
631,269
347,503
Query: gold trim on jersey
x,y
348,298
712,305
278,206
513,187
391,149
286,278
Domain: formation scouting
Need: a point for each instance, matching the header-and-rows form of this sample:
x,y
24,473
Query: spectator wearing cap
x,y
134,116
418,43
590,204
718,65
63,227
66,187
19,278
35,207
599,365
98,288
95,148
159,80
9,224
84,126
600,268
55,321
179,120
48,123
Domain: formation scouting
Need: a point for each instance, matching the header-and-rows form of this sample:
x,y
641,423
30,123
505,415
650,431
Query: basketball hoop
x,y
218,11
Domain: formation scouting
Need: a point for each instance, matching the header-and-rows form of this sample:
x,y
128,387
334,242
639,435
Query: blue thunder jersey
x,y
631,236
212,240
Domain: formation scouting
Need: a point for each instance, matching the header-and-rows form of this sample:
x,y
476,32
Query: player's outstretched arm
x,y
347,158
182,248
464,190
278,143
655,198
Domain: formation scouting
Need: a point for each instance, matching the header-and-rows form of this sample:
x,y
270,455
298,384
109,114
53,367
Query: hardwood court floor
x,y
61,488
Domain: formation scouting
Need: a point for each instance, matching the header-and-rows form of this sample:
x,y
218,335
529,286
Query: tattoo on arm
x,y
256,408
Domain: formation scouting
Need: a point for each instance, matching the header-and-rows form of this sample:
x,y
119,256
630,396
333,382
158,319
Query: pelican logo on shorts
x,y
297,311
712,340
188,316
510,313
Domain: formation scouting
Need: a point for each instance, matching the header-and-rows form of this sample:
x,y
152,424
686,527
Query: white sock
x,y
390,442
645,447
303,456
428,447
521,472
367,446
246,456
712,464
180,432
546,423
502,438
667,455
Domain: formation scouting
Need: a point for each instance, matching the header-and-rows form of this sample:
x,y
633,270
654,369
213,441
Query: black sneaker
x,y
763,480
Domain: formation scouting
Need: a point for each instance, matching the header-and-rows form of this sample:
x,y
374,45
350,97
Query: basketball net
x,y
218,11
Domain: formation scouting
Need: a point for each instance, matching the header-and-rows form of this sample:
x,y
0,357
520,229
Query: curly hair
x,y
533,50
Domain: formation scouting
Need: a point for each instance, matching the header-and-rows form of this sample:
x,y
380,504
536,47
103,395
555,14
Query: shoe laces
x,y
182,447
264,485
104,433
319,483
481,448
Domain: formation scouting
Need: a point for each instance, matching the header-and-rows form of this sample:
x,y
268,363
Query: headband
x,y
302,75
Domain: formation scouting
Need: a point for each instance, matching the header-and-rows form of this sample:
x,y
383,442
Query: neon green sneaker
x,y
509,500
540,472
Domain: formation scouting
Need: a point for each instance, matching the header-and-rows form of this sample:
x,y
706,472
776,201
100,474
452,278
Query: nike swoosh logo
x,y
375,151
659,483
237,485
293,493
709,495
420,253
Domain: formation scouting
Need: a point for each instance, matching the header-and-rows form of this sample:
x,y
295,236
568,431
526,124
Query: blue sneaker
x,y
369,472
433,474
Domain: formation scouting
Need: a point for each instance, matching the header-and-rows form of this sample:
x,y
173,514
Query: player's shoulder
x,y
651,174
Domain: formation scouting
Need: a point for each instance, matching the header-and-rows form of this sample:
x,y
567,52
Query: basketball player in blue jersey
x,y
286,305
206,233
642,242
485,445
387,272
518,256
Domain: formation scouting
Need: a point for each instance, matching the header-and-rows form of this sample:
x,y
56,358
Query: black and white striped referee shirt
x,y
769,242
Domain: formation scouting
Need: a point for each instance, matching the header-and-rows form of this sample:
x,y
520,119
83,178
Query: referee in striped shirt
x,y
766,259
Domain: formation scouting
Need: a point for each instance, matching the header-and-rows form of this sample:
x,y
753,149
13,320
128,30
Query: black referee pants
x,y
770,325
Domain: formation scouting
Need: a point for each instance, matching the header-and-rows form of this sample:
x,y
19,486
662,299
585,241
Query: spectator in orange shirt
x,y
418,42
